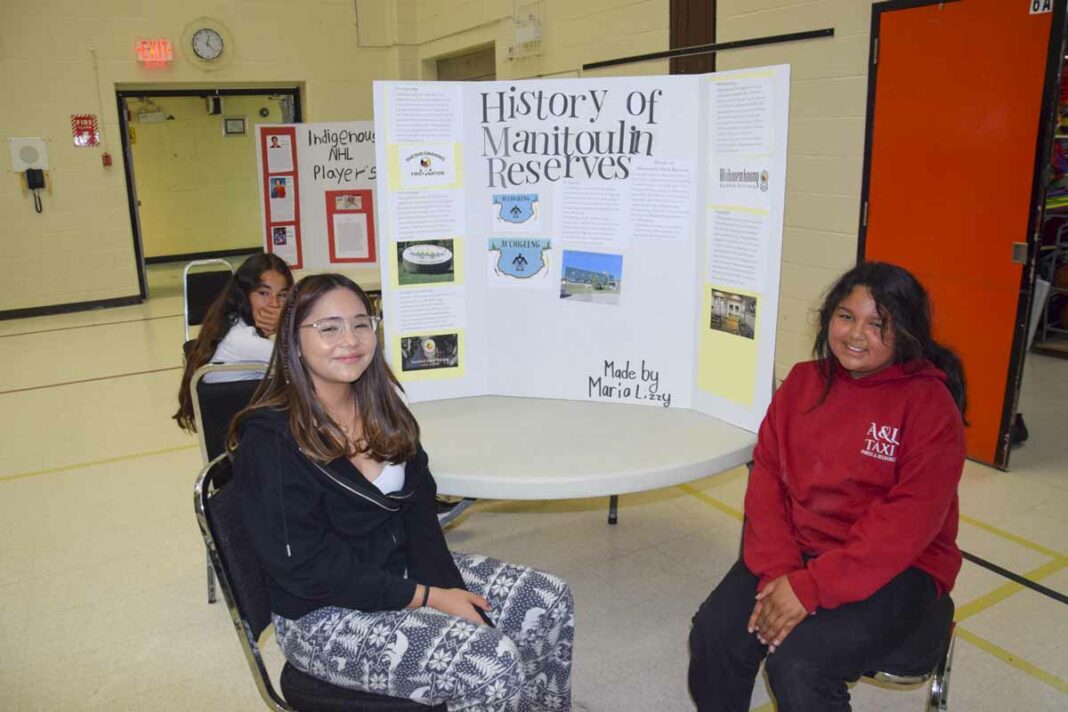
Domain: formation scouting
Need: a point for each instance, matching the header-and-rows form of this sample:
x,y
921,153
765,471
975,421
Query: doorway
x,y
476,65
191,174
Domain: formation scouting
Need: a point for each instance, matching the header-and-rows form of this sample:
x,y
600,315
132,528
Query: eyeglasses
x,y
363,327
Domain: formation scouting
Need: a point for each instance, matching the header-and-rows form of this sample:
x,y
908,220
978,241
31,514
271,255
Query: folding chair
x,y
245,590
200,288
214,406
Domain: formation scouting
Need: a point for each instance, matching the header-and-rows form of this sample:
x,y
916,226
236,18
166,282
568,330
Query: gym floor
x,y
102,586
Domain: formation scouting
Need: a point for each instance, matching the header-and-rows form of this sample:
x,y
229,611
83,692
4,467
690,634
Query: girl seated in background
x,y
338,500
851,509
237,326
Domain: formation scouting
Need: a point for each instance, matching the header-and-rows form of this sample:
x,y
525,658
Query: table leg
x,y
445,518
613,509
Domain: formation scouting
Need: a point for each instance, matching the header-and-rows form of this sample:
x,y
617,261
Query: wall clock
x,y
208,44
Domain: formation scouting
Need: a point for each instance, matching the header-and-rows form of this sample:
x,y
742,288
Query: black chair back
x,y
248,588
201,289
218,404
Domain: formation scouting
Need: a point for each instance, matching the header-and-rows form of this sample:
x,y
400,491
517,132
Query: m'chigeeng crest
x,y
516,209
519,258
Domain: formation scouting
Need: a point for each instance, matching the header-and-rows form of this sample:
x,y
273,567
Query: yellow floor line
x,y
91,380
1002,592
89,326
1019,663
78,465
712,501
1012,537
727,477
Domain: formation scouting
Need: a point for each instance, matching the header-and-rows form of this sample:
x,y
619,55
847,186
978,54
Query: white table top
x,y
530,448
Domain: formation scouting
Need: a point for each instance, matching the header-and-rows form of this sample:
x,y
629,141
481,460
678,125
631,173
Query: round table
x,y
531,448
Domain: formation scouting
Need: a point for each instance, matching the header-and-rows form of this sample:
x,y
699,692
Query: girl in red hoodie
x,y
851,510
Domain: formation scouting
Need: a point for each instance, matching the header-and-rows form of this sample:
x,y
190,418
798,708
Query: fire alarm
x,y
105,158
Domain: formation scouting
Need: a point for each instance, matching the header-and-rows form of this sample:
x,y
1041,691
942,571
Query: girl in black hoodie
x,y
339,503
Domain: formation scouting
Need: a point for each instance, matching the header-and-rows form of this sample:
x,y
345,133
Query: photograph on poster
x,y
278,235
591,277
348,202
420,353
733,313
516,211
517,260
279,154
278,187
281,193
425,262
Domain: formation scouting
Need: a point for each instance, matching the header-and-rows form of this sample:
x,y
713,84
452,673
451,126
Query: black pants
x,y
809,671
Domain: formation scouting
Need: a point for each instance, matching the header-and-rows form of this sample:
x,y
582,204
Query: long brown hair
x,y
229,307
390,432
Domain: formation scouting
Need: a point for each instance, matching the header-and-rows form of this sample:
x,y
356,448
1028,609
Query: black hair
x,y
904,306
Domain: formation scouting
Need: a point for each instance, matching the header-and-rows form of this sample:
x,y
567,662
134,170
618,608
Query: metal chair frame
x,y
198,376
185,286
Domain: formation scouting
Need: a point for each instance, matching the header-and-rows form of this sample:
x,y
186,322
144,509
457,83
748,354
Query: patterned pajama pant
x,y
521,664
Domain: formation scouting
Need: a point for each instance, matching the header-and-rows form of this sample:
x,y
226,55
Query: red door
x,y
955,107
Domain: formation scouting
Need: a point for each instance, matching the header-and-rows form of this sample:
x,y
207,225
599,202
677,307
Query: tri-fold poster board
x,y
613,239
317,192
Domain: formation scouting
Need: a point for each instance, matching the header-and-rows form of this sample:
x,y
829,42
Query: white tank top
x,y
391,480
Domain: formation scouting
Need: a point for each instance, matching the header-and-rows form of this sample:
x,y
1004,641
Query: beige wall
x,y
574,32
828,100
81,248
198,188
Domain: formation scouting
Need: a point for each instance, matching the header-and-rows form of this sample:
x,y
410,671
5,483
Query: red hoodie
x,y
865,482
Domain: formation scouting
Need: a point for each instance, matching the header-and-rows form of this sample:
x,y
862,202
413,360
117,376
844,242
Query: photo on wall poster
x,y
733,313
591,277
426,262
420,353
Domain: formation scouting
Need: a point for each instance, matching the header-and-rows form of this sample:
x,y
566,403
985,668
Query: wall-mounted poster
x,y
613,239
318,184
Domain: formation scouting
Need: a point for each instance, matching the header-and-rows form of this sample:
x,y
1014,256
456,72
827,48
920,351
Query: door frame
x,y
1033,237
127,154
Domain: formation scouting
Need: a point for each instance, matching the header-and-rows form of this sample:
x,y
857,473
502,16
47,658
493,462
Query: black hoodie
x,y
328,537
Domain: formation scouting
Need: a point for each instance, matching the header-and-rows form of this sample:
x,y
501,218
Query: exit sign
x,y
159,51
